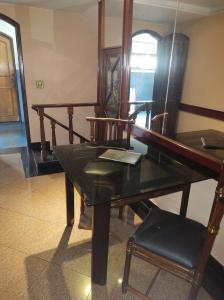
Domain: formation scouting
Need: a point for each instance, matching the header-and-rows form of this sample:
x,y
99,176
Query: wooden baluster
x,y
129,133
54,142
110,130
115,131
42,134
147,108
121,128
92,127
105,131
70,117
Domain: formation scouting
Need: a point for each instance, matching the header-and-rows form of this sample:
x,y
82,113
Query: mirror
x,y
153,29
113,23
202,22
185,71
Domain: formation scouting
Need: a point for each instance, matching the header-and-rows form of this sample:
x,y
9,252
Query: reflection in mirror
x,y
199,37
113,22
153,22
111,58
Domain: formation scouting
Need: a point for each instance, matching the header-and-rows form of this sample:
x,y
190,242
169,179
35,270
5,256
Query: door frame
x,y
21,73
14,66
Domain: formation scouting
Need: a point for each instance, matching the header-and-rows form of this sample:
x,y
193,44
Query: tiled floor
x,y
42,259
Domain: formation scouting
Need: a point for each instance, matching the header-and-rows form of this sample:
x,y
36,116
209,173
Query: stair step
x,y
48,166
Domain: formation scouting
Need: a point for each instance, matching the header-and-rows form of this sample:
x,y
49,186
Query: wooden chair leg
x,y
195,286
82,206
121,209
194,292
127,266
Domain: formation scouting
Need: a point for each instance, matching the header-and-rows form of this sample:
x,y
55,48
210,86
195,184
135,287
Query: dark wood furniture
x,y
176,244
112,129
156,174
105,129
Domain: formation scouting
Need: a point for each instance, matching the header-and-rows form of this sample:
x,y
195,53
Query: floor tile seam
x,y
31,217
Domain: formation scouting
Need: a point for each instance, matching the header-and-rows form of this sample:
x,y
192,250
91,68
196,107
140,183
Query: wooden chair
x,y
158,121
176,244
104,129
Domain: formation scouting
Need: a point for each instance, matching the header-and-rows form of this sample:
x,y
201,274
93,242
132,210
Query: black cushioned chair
x,y
176,244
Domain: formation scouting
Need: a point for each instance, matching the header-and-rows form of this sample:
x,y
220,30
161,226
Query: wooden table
x,y
108,183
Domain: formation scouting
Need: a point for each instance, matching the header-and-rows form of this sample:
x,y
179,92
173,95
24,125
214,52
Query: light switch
x,y
39,84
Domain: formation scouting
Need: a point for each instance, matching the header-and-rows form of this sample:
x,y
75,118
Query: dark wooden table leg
x,y
100,242
185,199
69,201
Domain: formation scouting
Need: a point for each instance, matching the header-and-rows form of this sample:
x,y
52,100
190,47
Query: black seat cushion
x,y
171,236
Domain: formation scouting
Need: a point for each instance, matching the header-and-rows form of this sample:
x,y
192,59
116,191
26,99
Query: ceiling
x,y
151,10
76,5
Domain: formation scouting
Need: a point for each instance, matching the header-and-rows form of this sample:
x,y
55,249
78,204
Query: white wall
x,y
60,48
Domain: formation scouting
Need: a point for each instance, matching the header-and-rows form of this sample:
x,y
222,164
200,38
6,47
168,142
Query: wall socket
x,y
39,84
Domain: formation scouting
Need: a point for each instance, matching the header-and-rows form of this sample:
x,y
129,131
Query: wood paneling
x,y
202,111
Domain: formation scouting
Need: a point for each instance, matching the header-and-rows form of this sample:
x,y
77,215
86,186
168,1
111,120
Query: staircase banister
x,y
60,124
57,105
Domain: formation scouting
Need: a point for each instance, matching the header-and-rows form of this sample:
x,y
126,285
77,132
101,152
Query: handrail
x,y
144,106
62,125
205,160
39,108
57,105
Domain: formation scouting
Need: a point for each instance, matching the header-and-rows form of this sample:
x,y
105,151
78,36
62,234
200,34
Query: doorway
x,y
14,125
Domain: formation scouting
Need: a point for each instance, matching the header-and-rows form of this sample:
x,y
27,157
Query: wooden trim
x,y
202,111
58,105
22,75
126,51
189,153
101,37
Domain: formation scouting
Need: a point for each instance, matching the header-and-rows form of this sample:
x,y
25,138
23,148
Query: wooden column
x,y
101,35
126,52
42,134
70,117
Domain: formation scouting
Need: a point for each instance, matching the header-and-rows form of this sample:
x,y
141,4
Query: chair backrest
x,y
158,121
109,128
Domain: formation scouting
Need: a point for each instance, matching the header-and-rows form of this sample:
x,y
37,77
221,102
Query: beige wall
x,y
162,29
61,49
114,27
203,85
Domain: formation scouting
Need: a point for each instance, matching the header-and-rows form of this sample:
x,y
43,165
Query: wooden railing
x,y
142,106
40,109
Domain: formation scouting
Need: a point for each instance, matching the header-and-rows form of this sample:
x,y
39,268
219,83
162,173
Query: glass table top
x,y
104,180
